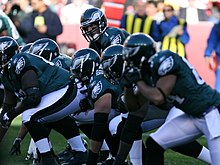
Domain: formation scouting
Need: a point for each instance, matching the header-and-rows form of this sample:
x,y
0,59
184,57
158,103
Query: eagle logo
x,y
20,65
97,90
116,40
166,66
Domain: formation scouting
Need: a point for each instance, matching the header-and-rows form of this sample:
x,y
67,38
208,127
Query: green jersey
x,y
111,36
7,24
62,61
190,93
100,85
50,77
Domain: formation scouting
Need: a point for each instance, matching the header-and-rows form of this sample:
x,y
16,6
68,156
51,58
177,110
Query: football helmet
x,y
112,61
84,64
138,47
46,48
8,48
25,48
93,24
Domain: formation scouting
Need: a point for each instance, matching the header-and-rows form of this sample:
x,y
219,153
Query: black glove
x,y
85,104
15,149
131,75
7,117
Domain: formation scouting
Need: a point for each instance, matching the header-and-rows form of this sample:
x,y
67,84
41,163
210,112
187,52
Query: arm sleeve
x,y
184,38
211,42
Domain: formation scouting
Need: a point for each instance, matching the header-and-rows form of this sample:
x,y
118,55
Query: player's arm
x,y
102,108
158,94
131,99
9,102
32,95
32,98
103,104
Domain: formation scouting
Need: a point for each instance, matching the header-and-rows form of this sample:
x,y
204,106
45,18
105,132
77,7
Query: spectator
x,y
173,32
42,23
151,9
213,12
160,15
19,11
140,21
193,11
71,13
7,28
213,45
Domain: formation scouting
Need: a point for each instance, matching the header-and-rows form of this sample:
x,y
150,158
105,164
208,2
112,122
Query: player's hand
x,y
15,149
131,75
7,117
85,105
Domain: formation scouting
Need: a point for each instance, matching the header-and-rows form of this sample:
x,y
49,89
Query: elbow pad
x,y
32,97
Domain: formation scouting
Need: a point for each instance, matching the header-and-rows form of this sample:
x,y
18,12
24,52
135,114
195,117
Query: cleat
x,y
103,155
78,158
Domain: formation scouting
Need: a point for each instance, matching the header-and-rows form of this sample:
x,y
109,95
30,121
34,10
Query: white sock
x,y
104,146
77,144
43,145
136,153
32,148
205,155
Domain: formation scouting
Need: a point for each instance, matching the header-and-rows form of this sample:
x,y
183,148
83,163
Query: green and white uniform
x,y
193,96
57,89
99,86
190,93
111,36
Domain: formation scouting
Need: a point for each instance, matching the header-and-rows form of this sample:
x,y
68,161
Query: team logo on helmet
x,y
96,16
5,45
38,49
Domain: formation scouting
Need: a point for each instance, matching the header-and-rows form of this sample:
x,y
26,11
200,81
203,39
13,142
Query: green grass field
x,y
59,143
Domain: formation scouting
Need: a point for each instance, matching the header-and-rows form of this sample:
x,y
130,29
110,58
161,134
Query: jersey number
x,y
199,80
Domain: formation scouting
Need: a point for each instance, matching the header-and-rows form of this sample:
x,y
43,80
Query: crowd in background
x,y
36,19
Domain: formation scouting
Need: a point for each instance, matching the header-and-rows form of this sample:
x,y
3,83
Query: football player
x,y
49,50
95,29
112,64
102,95
165,77
47,96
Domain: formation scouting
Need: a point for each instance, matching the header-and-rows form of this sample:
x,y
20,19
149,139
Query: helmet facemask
x,y
93,31
93,24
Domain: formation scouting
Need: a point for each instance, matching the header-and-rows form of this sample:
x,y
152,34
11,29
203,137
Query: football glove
x,y
85,104
15,149
131,75
7,117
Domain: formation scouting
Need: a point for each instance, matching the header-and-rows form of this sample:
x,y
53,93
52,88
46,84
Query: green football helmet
x,y
84,63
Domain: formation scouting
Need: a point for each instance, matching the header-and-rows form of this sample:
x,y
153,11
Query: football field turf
x,y
59,144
